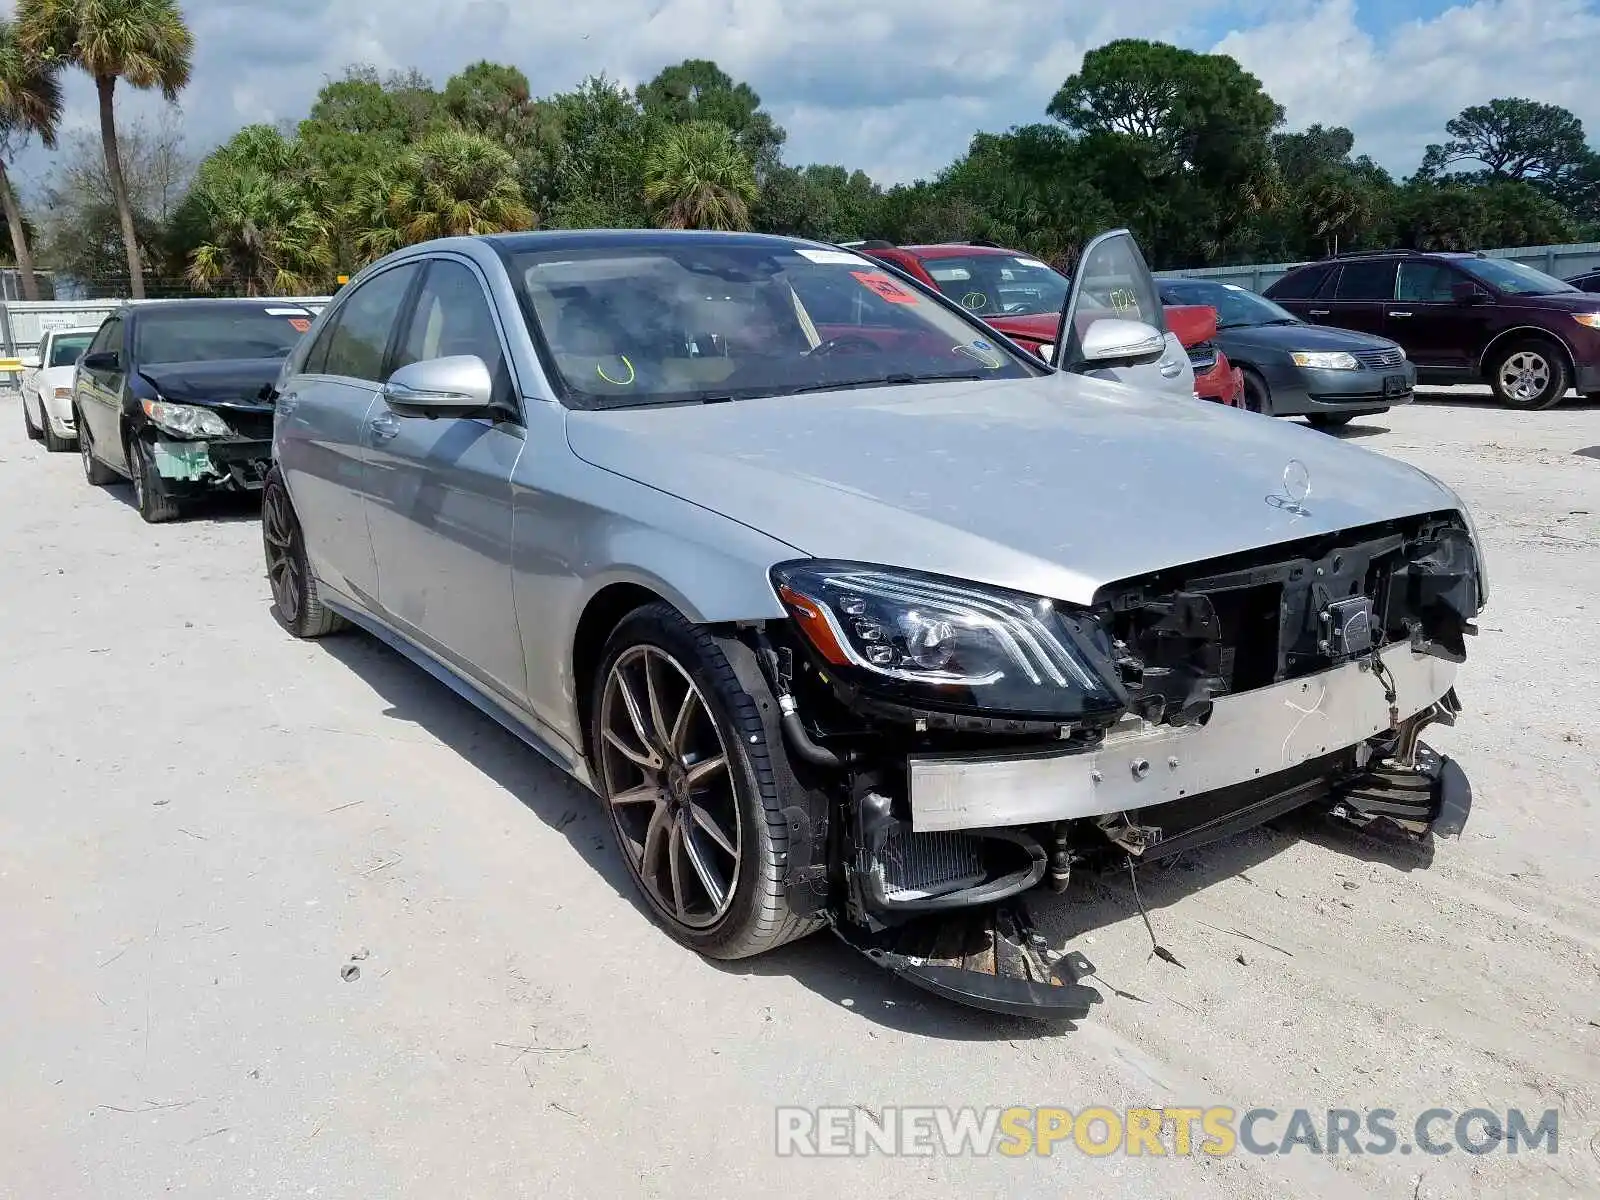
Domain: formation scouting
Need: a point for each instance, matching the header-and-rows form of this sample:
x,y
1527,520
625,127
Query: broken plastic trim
x,y
991,959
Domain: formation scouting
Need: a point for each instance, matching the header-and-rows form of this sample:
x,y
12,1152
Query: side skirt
x,y
517,724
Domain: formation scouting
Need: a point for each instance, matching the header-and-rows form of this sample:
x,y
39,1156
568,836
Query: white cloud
x,y
895,87
1396,92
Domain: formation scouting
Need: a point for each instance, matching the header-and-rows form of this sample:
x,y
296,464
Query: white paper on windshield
x,y
288,312
843,257
1030,262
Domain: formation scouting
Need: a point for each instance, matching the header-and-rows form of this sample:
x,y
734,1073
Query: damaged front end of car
x,y
197,448
955,746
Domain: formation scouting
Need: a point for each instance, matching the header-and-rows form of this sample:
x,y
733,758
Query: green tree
x,y
1177,141
697,176
699,90
1512,139
595,176
30,105
829,203
494,99
450,184
144,42
256,218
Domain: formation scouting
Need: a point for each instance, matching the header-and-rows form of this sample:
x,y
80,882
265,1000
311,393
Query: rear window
x,y
66,350
1298,285
210,334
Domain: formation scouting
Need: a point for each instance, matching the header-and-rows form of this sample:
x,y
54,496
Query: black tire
x,y
52,443
1257,395
95,471
33,431
296,601
150,494
1330,420
756,917
1530,375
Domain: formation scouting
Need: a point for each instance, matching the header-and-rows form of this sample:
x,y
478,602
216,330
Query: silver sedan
x,y
852,612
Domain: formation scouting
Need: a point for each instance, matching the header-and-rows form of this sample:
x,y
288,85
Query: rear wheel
x,y
683,766
1529,375
33,430
149,490
295,596
1330,420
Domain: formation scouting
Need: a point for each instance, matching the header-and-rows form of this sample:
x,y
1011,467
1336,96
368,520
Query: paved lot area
x,y
203,823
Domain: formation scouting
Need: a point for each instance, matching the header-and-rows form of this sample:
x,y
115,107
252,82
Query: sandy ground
x,y
203,821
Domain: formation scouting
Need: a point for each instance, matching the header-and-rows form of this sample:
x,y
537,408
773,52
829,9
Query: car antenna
x,y
1156,948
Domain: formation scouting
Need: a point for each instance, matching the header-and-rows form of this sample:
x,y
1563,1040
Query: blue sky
x,y
897,87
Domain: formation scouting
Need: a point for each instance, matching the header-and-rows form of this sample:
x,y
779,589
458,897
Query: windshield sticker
x,y
300,324
887,288
985,352
287,312
1030,262
1233,287
832,256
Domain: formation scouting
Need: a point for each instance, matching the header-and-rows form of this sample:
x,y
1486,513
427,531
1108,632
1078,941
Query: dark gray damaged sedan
x,y
851,613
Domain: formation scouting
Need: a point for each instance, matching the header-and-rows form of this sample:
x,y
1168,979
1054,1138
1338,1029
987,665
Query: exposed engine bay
x,y
955,750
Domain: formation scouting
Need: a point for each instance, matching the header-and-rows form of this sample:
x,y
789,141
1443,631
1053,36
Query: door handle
x,y
384,426
1318,312
1399,314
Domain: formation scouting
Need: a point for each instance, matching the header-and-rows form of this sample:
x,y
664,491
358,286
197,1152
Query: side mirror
x,y
29,361
101,360
1465,292
1116,340
456,386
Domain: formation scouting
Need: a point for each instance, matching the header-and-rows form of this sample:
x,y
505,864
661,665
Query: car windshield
x,y
697,319
67,348
210,334
1236,307
1512,277
1000,285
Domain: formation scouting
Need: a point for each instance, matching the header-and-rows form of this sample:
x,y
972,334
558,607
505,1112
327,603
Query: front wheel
x,y
150,494
295,597
683,767
1257,395
1331,420
53,443
1529,375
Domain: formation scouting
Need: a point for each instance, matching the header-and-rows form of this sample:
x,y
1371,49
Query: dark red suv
x,y
1461,318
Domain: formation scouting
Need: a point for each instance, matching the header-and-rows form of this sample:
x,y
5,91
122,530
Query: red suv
x,y
1022,297
1461,318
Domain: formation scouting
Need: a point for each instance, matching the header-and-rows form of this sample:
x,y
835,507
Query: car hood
x,y
1055,485
233,383
1289,338
1561,301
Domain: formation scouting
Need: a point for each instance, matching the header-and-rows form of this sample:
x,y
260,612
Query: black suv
x,y
1461,318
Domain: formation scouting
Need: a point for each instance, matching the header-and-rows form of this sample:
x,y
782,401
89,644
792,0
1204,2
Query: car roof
x,y
70,329
620,239
223,304
959,250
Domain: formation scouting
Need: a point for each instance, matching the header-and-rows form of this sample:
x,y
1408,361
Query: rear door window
x,y
1366,281
1426,282
1299,285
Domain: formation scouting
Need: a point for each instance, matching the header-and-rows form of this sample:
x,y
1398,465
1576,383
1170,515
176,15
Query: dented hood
x,y
1054,485
233,383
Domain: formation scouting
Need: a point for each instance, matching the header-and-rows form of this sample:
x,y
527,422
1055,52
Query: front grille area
x,y
918,865
1380,360
252,425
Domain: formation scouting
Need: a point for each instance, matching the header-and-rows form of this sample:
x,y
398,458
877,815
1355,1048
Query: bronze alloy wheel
x,y
665,773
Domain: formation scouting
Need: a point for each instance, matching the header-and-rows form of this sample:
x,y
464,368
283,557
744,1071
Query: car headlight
x,y
1326,360
1592,320
186,420
944,643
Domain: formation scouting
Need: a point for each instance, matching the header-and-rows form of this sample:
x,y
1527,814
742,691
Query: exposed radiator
x,y
917,865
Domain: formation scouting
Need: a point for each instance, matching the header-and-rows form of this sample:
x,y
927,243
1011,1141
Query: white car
x,y
47,386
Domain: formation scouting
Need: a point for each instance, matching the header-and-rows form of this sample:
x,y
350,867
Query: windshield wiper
x,y
901,377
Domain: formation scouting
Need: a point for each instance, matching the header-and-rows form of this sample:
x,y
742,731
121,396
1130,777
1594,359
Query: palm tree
x,y
696,176
30,103
264,234
142,41
454,183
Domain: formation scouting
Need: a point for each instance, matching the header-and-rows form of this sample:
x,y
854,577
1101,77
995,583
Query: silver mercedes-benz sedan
x,y
851,612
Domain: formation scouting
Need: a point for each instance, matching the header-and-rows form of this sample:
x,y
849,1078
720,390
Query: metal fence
x,y
1561,261
23,323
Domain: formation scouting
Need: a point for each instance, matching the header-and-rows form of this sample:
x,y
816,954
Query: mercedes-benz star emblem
x,y
1296,481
